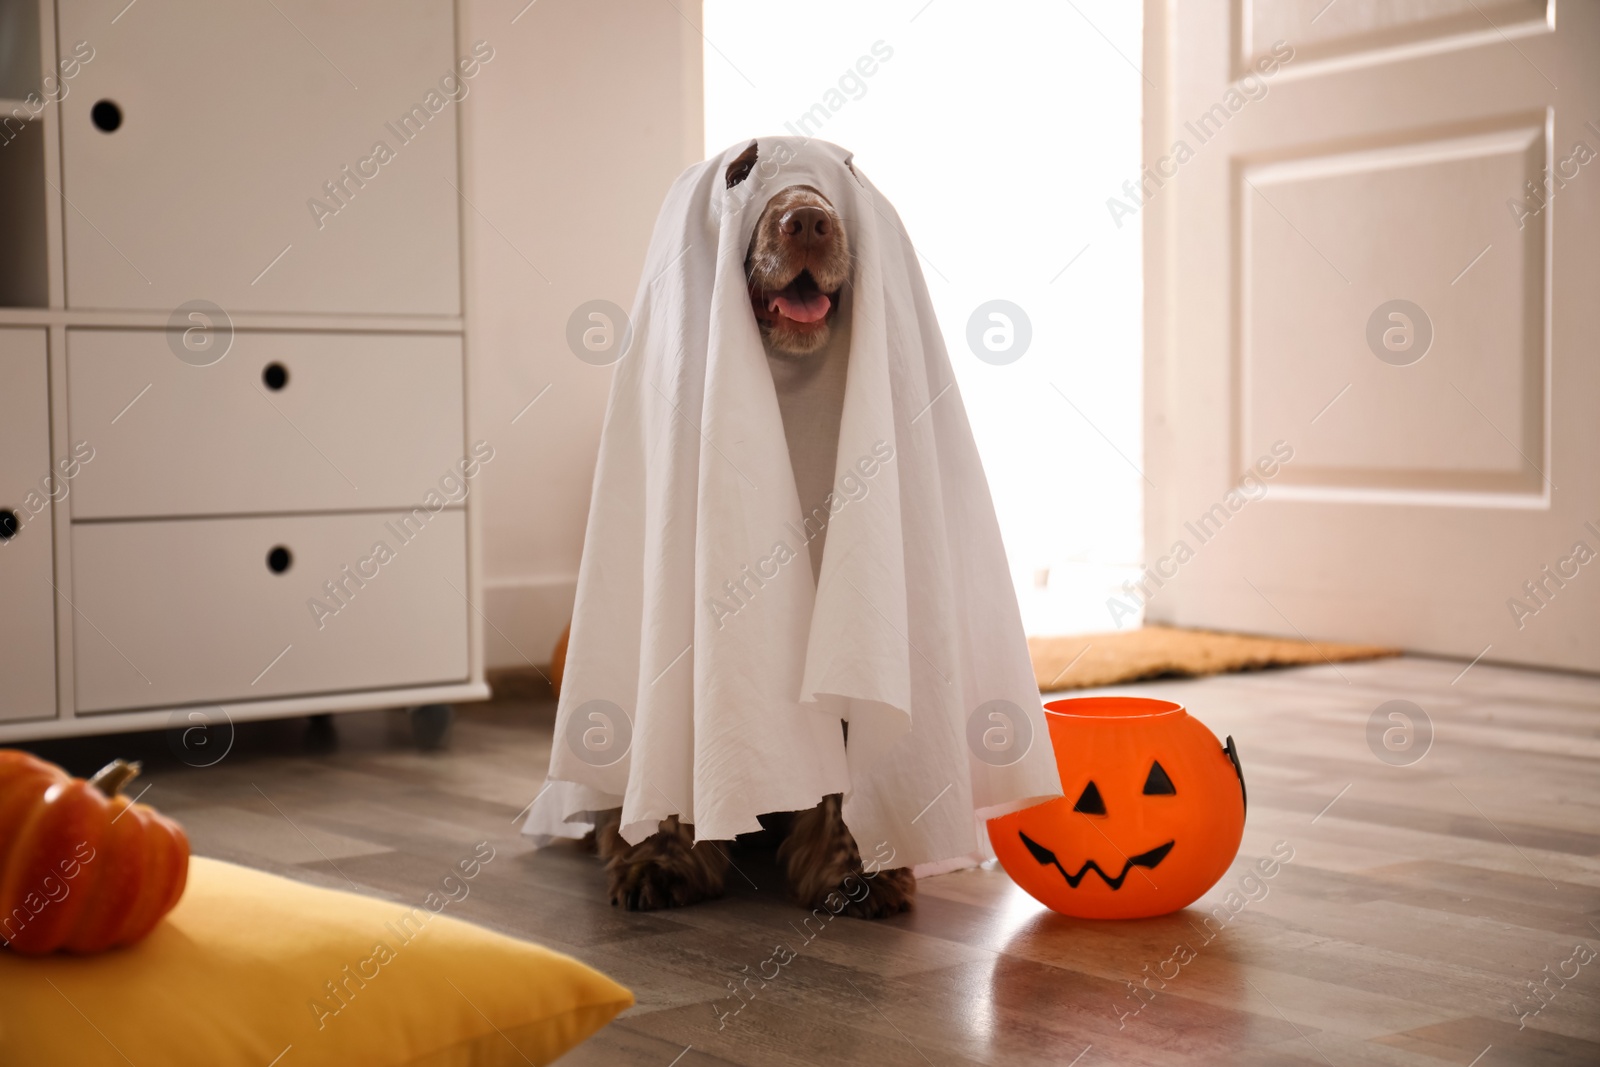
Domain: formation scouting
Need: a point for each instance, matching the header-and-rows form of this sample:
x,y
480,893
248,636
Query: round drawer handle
x,y
8,524
278,559
106,115
276,375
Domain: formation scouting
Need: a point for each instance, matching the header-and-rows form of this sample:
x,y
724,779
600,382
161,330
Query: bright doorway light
x,y
999,131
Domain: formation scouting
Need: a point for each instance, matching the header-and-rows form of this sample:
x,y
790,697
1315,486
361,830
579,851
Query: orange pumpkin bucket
x,y
1151,815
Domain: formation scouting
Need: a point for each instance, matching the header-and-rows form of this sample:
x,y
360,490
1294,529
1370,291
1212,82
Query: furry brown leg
x,y
664,870
820,857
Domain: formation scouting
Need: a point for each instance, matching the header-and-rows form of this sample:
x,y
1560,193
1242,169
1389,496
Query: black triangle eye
x,y
1089,802
1158,784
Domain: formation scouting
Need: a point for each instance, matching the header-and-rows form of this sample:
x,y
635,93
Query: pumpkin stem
x,y
113,776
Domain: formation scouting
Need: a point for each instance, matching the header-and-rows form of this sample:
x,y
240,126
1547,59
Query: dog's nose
x,y
806,225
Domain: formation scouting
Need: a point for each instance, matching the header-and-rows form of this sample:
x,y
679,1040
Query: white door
x,y
1373,308
292,156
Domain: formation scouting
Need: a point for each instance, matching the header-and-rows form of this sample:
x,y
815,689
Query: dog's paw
x,y
646,883
864,896
823,864
890,892
665,870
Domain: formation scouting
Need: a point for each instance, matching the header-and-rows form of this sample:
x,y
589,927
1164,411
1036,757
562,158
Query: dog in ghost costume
x,y
794,609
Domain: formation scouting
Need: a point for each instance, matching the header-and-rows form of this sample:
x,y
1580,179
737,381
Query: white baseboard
x,y
525,618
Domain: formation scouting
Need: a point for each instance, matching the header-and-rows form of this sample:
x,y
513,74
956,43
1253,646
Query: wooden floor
x,y
1420,903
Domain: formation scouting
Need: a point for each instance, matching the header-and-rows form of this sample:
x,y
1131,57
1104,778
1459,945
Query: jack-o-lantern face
x,y
1151,816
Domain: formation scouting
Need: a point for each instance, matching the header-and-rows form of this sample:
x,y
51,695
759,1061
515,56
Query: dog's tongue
x,y
801,307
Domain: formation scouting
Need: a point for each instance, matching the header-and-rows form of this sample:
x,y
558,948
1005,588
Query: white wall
x,y
574,131
999,132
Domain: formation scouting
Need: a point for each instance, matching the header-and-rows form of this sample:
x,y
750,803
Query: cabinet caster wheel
x,y
321,735
430,725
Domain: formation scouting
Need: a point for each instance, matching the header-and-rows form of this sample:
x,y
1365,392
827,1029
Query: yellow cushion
x,y
250,969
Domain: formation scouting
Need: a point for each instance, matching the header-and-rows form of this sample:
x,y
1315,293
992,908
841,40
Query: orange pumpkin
x,y
82,868
1151,814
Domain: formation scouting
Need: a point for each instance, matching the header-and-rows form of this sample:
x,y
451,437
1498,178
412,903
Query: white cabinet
x,y
27,486
198,138
249,412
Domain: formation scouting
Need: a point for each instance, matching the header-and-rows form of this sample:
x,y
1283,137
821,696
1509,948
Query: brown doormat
x,y
1086,661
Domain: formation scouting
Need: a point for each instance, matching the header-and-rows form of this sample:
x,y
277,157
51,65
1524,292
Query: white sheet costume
x,y
699,618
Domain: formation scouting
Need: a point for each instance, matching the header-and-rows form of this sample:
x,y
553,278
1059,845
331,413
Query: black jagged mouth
x,y
1149,860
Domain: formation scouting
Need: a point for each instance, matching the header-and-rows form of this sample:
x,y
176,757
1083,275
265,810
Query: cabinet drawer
x,y
204,610
28,637
283,422
236,161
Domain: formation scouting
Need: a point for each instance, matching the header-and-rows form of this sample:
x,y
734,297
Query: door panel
x,y
1309,286
1321,30
1372,275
